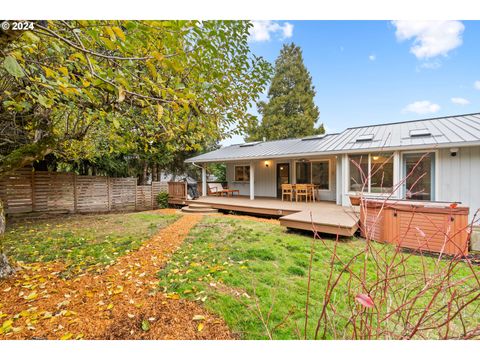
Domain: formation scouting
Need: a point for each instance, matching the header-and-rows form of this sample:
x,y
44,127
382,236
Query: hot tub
x,y
422,226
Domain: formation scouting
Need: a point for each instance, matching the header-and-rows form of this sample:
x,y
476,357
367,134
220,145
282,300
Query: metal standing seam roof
x,y
446,131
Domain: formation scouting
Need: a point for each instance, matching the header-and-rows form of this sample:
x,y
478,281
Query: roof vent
x,y
314,137
420,132
250,144
366,137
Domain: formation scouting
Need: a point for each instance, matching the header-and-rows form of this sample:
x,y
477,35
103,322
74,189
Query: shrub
x,y
162,200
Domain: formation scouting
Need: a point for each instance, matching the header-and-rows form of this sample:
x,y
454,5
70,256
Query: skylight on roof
x,y
420,132
366,137
314,137
250,144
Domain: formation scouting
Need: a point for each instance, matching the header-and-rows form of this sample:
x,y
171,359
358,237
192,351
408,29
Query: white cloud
x,y
476,84
422,107
264,30
430,38
372,57
459,101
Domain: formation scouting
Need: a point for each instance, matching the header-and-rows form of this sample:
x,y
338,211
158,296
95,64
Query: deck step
x,y
199,206
201,210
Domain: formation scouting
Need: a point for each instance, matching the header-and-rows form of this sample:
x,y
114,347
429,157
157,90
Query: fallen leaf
x,y
145,325
364,300
198,318
32,296
200,327
67,336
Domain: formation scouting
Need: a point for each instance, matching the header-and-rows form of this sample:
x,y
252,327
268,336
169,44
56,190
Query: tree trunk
x,y
5,269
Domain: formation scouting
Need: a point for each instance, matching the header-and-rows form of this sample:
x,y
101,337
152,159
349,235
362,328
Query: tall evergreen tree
x,y
290,111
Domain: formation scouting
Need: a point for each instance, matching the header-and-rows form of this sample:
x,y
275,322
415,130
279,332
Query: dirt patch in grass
x,y
120,303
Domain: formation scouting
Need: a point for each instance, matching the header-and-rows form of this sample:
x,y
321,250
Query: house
x,y
441,157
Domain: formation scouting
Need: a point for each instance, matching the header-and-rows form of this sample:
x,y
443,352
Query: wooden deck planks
x,y
327,217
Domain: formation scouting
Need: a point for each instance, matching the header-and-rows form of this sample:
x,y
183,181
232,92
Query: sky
x,y
370,72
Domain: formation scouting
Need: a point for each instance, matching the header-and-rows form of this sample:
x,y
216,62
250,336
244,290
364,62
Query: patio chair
x,y
310,192
301,190
216,189
287,190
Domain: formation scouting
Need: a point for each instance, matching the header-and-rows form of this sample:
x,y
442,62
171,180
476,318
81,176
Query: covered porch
x,y
263,178
323,216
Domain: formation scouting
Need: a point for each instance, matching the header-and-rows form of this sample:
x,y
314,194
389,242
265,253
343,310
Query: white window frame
x,y
329,161
369,186
235,173
436,173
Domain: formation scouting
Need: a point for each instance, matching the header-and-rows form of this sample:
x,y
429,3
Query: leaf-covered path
x,y
120,303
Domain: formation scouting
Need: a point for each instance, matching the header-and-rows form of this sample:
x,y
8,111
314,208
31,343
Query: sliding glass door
x,y
315,172
419,171
303,172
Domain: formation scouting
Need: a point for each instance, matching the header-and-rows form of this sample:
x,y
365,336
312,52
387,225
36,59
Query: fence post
x,y
32,184
74,193
109,194
152,196
135,187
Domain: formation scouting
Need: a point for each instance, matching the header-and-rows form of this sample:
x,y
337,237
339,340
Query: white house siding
x,y
266,178
459,177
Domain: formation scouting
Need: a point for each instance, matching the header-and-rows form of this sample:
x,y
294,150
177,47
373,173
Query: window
x,y
359,172
366,137
381,178
242,173
321,174
303,172
313,172
419,170
371,173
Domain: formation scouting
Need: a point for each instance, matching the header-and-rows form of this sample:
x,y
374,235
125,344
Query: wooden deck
x,y
326,217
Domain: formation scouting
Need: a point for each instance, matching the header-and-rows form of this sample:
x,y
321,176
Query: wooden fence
x,y
28,191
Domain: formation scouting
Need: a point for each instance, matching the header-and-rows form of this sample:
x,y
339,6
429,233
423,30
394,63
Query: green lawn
x,y
236,267
82,241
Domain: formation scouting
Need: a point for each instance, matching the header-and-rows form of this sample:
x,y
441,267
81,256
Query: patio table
x,y
312,186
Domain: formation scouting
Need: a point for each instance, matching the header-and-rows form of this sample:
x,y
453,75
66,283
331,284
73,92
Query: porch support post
x,y
397,170
339,179
204,180
346,180
252,181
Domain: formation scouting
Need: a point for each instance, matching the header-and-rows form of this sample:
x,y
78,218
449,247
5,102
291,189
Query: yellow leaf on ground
x,y
200,327
32,296
67,336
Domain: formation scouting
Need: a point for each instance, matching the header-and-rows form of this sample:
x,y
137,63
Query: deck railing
x,y
177,190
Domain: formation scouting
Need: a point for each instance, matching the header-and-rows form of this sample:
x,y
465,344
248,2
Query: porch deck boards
x,y
325,217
